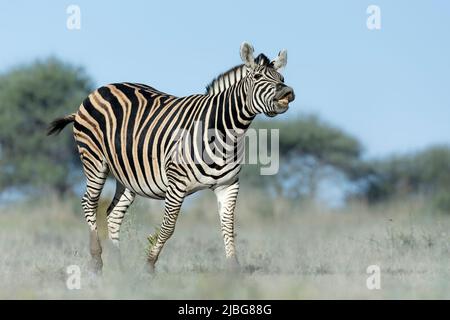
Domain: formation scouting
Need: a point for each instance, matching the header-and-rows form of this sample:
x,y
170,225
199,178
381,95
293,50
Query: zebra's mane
x,y
225,80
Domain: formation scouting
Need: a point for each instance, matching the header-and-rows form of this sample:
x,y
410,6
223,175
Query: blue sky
x,y
390,87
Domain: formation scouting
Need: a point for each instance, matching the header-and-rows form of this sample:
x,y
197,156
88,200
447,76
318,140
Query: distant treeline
x,y
311,150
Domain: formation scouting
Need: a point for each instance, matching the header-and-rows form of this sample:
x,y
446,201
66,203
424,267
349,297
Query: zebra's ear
x,y
281,60
247,55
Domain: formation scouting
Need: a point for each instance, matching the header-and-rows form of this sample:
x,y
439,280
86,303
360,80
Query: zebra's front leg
x,y
174,199
226,200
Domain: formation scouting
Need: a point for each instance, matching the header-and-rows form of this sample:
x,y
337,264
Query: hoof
x,y
233,265
96,266
117,258
150,267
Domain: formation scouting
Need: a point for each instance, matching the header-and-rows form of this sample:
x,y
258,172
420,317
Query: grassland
x,y
286,251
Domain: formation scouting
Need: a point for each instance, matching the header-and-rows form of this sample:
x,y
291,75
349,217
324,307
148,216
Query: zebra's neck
x,y
231,110
220,135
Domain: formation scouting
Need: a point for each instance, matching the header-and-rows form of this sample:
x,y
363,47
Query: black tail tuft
x,y
58,124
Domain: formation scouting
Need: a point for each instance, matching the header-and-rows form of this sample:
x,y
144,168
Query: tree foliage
x,y
425,173
310,150
30,97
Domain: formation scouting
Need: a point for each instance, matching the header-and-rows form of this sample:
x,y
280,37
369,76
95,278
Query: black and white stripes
x,y
165,147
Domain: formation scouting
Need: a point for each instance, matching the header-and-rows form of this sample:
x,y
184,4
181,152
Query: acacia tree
x,y
425,173
30,97
310,151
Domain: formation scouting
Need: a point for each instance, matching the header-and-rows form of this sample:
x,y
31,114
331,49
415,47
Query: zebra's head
x,y
266,92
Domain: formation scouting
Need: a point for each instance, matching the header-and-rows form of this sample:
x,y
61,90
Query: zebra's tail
x,y
57,125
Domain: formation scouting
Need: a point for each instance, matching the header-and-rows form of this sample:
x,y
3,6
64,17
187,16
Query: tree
x,y
30,97
310,151
425,173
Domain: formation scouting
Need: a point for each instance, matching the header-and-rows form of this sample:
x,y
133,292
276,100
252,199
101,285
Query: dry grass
x,y
286,252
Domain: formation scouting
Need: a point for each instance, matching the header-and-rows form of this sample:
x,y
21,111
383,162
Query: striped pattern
x,y
226,80
160,146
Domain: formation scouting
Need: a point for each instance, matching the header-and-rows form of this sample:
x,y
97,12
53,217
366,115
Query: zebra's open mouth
x,y
281,104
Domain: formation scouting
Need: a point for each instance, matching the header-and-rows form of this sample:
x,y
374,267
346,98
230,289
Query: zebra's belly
x,y
223,177
152,191
153,184
145,185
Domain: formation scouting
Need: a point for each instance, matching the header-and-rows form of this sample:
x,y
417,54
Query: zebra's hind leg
x,y
96,176
123,198
174,199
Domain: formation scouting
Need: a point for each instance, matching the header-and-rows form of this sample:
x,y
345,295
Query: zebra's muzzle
x,y
282,98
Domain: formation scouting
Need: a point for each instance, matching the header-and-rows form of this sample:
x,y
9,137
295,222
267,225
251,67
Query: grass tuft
x,y
151,239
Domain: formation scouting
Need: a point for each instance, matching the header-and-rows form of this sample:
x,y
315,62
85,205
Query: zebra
x,y
131,131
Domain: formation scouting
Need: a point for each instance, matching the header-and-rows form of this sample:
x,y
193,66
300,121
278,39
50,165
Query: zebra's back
x,y
126,127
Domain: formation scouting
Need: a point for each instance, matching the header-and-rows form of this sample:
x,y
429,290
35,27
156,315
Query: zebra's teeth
x,y
283,102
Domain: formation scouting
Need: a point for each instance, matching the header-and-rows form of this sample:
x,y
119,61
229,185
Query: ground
x,y
289,253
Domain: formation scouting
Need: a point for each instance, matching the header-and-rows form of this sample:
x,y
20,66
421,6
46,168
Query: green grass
x,y
294,253
152,241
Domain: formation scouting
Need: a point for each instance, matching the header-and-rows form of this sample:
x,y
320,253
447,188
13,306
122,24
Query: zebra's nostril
x,y
280,86
290,94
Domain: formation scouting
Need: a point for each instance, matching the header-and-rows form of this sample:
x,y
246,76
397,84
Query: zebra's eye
x,y
257,76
